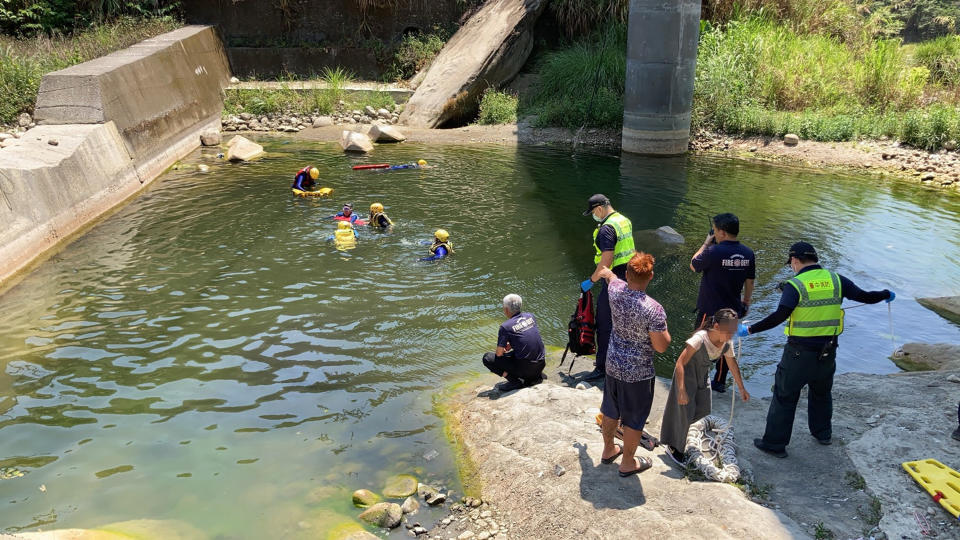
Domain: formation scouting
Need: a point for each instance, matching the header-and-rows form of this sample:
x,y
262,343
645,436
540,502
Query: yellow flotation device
x,y
322,192
344,237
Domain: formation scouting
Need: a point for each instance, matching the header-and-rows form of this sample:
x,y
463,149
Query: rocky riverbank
x,y
536,455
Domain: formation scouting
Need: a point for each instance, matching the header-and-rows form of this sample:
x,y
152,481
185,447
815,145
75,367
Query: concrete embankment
x,y
854,488
108,128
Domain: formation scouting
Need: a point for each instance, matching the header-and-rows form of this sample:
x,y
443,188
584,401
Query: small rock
x,y
5,136
486,514
53,142
234,80
927,177
583,386
410,505
430,455
950,145
424,491
210,138
418,530
264,120
290,129
322,121
475,503
246,116
203,168
24,120
370,111
931,510
753,148
436,498
559,470
465,535
791,139
886,156
363,498
383,113
483,535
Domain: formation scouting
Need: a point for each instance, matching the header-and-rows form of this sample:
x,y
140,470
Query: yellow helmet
x,y
422,162
442,235
376,207
343,225
314,173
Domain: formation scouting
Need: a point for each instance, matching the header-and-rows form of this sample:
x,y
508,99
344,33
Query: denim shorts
x,y
628,402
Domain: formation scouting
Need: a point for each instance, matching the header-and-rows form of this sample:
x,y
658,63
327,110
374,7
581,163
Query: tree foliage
x,y
34,17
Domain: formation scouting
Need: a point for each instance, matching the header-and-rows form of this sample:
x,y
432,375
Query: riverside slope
x,y
516,440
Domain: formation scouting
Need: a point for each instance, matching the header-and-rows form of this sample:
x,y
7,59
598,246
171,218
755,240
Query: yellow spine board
x,y
322,192
940,481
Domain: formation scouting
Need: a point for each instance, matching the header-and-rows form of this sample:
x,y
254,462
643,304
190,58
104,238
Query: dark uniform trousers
x,y
801,367
524,371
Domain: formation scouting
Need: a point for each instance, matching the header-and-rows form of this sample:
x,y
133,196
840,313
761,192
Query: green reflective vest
x,y
819,312
624,250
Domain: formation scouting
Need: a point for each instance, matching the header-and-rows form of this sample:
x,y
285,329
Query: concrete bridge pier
x,y
661,64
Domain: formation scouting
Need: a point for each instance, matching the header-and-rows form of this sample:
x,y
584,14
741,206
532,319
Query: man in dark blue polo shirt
x,y
729,269
520,354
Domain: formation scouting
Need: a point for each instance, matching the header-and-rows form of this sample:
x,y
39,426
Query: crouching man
x,y
520,353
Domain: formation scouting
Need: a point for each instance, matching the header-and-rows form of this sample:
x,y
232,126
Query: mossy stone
x,y
400,486
386,515
363,498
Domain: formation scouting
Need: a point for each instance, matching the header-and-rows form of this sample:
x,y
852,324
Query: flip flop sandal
x,y
648,441
611,459
645,463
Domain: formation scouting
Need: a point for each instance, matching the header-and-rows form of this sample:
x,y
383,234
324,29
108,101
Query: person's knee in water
x,y
377,217
689,398
520,356
306,178
440,247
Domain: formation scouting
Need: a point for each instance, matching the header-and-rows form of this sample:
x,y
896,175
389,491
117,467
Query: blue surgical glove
x,y
586,285
742,330
892,296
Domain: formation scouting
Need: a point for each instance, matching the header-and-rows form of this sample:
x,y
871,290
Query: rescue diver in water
x,y
441,246
377,217
306,178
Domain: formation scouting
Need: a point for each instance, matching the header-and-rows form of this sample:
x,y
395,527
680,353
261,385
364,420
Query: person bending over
x,y
520,354
306,178
441,246
689,398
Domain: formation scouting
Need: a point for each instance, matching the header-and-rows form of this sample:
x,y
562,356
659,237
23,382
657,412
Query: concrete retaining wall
x,y
117,123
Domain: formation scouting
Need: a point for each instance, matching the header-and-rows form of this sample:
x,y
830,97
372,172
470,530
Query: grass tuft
x,y
497,108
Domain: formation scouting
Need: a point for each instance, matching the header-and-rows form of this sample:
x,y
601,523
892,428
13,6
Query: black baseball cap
x,y
594,201
802,249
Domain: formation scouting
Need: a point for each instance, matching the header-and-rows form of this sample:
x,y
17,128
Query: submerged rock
x,y
669,235
143,529
410,505
400,486
242,149
352,141
386,515
363,498
424,491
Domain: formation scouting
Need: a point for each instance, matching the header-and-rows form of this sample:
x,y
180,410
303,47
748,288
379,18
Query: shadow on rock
x,y
603,488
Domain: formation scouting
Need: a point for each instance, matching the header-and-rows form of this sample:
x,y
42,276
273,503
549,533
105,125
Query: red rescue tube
x,y
357,222
375,166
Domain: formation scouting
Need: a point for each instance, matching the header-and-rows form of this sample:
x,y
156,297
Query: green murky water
x,y
206,355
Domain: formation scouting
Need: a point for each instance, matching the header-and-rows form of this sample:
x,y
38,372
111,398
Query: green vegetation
x,y
24,61
497,108
286,99
855,480
872,515
415,52
941,57
821,532
582,84
34,17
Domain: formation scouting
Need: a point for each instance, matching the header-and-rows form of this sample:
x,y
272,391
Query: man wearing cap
x,y
810,303
613,242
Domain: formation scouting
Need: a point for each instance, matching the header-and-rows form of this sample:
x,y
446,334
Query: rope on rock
x,y
711,447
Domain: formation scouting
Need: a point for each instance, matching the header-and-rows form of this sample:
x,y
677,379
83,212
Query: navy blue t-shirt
x,y
725,266
523,335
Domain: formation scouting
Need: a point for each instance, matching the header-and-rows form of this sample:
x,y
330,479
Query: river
x,y
205,354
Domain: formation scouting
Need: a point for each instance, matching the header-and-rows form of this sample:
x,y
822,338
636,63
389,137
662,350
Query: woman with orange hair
x,y
639,329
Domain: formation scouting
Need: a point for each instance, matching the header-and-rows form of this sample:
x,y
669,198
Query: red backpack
x,y
580,330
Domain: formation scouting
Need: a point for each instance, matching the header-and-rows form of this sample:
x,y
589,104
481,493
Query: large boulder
x,y
386,134
242,149
488,50
352,141
947,307
669,235
400,486
211,137
927,357
386,515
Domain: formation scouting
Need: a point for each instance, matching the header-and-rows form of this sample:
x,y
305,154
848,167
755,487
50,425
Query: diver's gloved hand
x,y
586,285
742,330
891,297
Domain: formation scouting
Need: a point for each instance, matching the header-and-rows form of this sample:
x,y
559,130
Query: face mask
x,y
596,218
